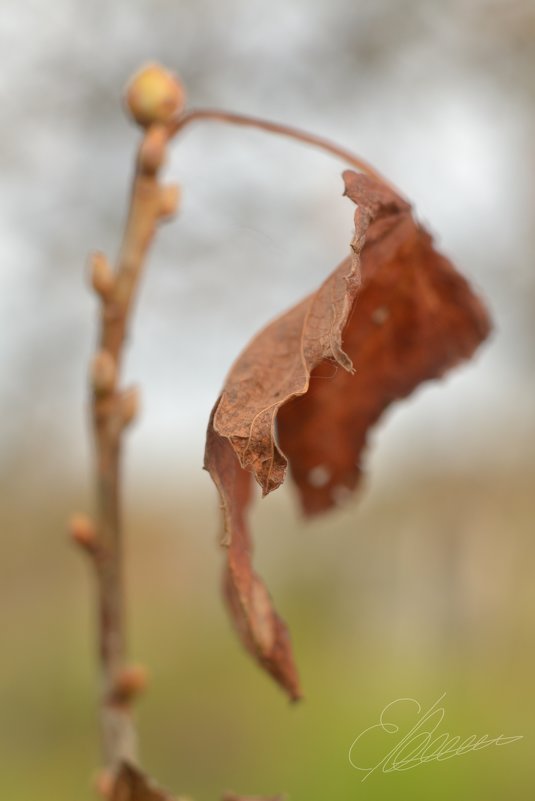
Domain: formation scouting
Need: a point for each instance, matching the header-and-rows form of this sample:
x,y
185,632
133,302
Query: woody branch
x,y
153,98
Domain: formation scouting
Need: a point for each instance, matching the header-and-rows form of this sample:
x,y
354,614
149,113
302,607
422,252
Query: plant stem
x,y
217,115
110,417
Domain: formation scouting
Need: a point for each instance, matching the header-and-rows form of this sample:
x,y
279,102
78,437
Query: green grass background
x,y
420,589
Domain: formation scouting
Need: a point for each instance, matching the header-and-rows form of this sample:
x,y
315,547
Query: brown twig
x,y
109,420
155,99
217,115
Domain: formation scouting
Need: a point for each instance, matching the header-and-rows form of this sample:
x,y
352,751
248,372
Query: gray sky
x,y
439,96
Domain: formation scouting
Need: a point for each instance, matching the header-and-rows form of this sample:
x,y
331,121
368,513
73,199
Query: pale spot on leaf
x,y
319,476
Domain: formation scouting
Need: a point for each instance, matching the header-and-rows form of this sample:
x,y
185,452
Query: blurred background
x,y
422,585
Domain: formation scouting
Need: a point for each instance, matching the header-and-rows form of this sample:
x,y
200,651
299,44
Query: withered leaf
x,y
133,785
262,631
415,317
393,314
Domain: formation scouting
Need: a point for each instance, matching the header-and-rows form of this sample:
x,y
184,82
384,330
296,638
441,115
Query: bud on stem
x,y
132,681
169,199
154,95
104,784
129,403
101,274
83,532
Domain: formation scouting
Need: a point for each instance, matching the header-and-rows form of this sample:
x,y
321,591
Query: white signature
x,y
419,745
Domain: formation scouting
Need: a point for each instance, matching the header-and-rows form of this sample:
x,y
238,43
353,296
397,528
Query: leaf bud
x,y
132,681
83,532
101,274
154,95
169,200
104,783
129,403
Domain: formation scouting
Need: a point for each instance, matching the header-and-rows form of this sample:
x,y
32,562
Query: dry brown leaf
x,y
262,631
415,317
133,785
399,312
